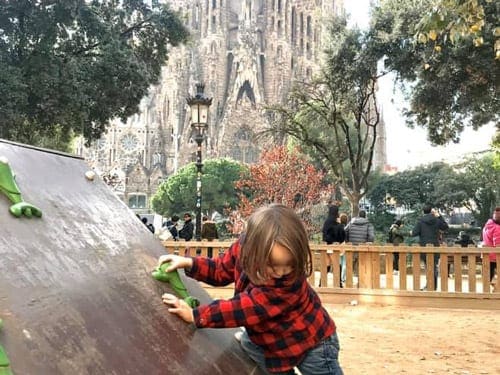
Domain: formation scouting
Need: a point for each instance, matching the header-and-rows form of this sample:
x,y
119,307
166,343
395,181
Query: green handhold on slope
x,y
4,360
175,282
9,188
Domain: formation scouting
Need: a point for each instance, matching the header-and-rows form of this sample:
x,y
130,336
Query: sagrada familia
x,y
248,53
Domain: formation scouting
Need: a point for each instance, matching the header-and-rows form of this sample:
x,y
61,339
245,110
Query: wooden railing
x,y
375,275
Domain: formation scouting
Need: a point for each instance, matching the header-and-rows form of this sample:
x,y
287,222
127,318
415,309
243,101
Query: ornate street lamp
x,y
199,105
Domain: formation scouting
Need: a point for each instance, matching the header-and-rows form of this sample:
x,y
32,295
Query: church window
x,y
308,27
196,17
129,142
214,23
279,28
214,4
137,200
279,6
244,148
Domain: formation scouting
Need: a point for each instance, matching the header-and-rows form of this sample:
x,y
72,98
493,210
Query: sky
x,y
407,148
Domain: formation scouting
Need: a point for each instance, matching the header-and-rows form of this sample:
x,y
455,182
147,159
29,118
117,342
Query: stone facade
x,y
247,53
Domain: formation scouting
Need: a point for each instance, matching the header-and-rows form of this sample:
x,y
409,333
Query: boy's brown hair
x,y
267,226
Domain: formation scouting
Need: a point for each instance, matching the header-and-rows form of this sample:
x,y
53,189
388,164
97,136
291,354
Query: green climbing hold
x,y
4,360
175,282
9,188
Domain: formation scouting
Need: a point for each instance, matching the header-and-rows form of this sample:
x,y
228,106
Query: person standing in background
x,y
333,232
148,225
171,225
397,237
187,229
344,219
208,232
428,230
491,238
358,231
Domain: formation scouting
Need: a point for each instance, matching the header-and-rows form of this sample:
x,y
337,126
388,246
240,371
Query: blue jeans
x,y
320,360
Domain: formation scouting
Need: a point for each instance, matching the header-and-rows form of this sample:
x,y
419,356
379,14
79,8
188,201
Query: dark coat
x,y
209,231
427,228
333,231
187,230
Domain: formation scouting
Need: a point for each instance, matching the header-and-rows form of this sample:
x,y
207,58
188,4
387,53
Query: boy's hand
x,y
178,307
176,262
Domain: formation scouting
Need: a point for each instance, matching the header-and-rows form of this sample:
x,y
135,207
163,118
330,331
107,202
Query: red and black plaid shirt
x,y
284,318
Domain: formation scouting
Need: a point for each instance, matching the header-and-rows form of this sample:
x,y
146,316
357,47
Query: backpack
x,y
390,236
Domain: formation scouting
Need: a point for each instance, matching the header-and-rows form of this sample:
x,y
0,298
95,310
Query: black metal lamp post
x,y
199,123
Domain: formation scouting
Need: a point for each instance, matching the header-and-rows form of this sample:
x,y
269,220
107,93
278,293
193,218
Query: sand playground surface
x,y
377,339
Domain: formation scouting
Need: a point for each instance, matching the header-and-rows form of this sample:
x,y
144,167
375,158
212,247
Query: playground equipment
x,y
76,292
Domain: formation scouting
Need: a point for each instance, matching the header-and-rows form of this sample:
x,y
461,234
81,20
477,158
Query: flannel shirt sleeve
x,y
244,309
219,271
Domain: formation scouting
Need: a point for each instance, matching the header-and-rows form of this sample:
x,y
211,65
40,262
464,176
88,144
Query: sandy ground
x,y
400,340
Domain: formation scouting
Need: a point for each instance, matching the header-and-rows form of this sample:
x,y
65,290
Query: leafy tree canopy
x,y
178,193
485,182
335,117
70,66
448,88
473,184
283,176
454,20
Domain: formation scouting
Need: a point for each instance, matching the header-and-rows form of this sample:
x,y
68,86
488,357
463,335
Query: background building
x,y
248,53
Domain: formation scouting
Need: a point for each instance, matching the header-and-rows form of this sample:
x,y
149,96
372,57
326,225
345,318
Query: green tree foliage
x,y
178,193
70,66
447,88
335,117
437,184
485,181
473,184
455,20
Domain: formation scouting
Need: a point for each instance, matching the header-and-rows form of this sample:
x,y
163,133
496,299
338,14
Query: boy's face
x,y
280,262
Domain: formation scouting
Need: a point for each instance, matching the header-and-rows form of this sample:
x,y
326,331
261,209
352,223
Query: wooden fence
x,y
374,280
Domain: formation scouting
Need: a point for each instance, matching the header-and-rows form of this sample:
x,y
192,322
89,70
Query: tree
x,y
178,193
454,20
447,88
282,176
473,184
485,181
335,117
71,66
437,183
